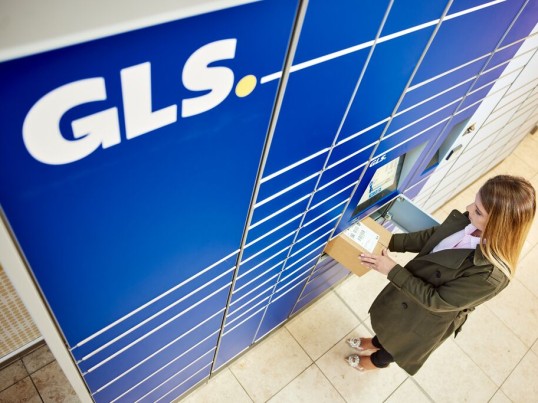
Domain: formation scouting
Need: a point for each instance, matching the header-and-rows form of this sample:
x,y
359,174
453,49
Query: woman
x,y
462,263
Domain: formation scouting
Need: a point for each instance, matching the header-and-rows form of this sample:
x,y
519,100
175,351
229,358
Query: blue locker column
x,y
127,168
384,79
288,229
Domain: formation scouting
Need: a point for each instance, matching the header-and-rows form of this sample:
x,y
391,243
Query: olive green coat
x,y
429,299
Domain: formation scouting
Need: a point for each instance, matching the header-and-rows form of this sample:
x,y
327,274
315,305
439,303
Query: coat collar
x,y
456,221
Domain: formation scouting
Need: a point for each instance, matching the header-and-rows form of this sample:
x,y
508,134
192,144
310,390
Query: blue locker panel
x,y
313,106
466,37
272,265
430,126
462,5
292,176
341,168
476,96
326,211
114,365
181,381
250,298
177,299
333,26
181,318
386,77
319,283
280,201
109,223
406,14
279,310
292,276
184,350
269,259
489,77
352,146
524,24
237,338
503,55
259,258
450,97
267,246
139,385
460,75
278,226
340,188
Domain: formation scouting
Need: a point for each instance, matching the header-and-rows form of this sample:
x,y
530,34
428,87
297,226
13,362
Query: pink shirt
x,y
460,240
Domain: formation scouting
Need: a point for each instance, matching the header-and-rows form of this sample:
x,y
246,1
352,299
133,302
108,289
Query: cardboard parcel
x,y
363,236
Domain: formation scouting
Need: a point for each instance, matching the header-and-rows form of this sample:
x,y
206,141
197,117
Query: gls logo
x,y
377,160
41,131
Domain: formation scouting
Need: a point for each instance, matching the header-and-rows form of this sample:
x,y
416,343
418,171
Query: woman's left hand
x,y
381,263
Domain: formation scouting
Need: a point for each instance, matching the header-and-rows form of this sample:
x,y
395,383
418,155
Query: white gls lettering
x,y
378,160
41,127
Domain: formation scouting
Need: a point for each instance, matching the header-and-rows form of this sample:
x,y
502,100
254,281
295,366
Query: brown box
x,y
346,250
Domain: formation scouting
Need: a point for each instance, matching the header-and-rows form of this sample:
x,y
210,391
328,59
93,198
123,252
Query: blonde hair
x,y
510,202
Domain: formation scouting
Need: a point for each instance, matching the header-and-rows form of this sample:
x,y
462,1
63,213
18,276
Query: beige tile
x,y
322,325
513,165
526,271
22,391
517,307
485,336
12,374
270,365
441,213
222,388
500,397
360,292
355,386
408,392
521,386
37,359
53,386
535,347
527,151
449,375
310,386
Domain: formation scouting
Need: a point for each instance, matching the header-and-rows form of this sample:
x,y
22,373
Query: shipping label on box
x,y
363,236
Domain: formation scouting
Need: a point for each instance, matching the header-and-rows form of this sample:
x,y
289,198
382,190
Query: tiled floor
x,y
35,377
494,359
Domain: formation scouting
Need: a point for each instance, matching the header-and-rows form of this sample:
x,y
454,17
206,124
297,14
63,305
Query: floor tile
x,y
37,359
12,374
527,152
513,165
500,397
310,386
222,388
526,271
408,392
485,336
322,325
270,365
23,391
535,347
521,386
450,376
355,386
53,386
360,292
517,307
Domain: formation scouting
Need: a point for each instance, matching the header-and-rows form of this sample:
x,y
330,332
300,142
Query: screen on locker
x,y
383,183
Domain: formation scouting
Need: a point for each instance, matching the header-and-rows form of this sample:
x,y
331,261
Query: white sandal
x,y
354,362
355,343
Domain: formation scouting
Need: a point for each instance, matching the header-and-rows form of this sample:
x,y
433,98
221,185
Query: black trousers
x,y
381,358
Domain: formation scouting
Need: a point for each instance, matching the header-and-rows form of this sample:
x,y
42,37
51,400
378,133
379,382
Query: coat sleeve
x,y
458,294
410,242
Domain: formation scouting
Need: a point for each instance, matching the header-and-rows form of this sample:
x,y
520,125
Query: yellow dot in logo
x,y
245,86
